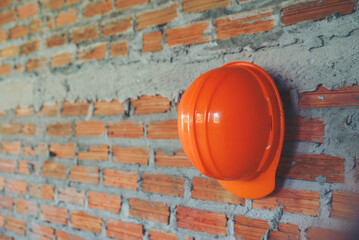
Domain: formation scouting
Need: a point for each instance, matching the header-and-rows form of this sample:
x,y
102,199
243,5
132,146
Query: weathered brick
x,y
104,201
175,159
48,111
66,18
84,174
210,190
119,49
2,183
59,129
69,2
36,64
125,129
84,33
3,34
120,179
7,165
37,150
53,170
315,10
200,220
24,112
152,42
95,153
296,201
62,150
41,232
75,109
30,47
26,168
137,155
5,69
84,221
301,129
15,225
163,184
255,21
19,31
203,5
158,235
285,231
251,229
123,4
26,207
114,107
5,237
6,203
95,53
150,104
54,214
26,11
162,130
60,235
188,35
16,186
56,40
42,191
153,211
29,129
122,230
19,68
7,17
156,18
89,128
13,148
116,27
99,7
10,129
9,52
326,234
52,4
71,195
5,3
345,205
61,60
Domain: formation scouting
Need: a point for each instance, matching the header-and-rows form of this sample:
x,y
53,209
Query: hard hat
x,y
231,127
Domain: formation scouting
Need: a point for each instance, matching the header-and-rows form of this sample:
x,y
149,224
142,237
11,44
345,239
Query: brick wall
x,y
78,161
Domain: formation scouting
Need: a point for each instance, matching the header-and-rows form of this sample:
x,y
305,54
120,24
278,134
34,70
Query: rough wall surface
x,y
88,95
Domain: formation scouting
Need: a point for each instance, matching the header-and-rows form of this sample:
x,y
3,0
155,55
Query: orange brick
x,y
255,21
9,52
52,4
316,10
137,155
12,148
116,27
25,167
326,234
26,207
153,211
285,231
71,195
89,128
163,184
188,35
54,214
30,47
123,4
84,174
99,7
6,203
3,35
84,221
156,18
10,129
62,59
2,183
108,108
162,130
36,25
36,64
2,114
104,201
5,69
7,17
125,129
251,229
59,129
53,170
60,235
203,5
48,111
151,104
56,41
26,11
200,220
96,53
15,225
95,153
4,237
84,33
177,159
16,186
300,129
42,191
158,235
19,31
7,166
68,2
5,3
119,49
120,179
66,18
296,201
75,109
24,112
38,150
41,232
345,205
122,230
28,129
152,42
62,150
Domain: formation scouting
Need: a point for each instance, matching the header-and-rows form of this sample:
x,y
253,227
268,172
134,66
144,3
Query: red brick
x,y
286,231
54,214
202,221
300,129
7,17
188,35
89,128
60,235
156,18
158,235
10,129
210,190
326,234
26,11
177,159
75,109
84,221
3,35
62,59
252,22
125,129
152,42
136,155
9,52
5,69
309,167
345,205
84,33
30,47
59,129
122,230
95,153
66,18
41,232
36,64
48,111
150,104
26,167
95,53
119,49
6,203
7,166
162,130
26,207
104,201
152,211
296,201
108,108
52,4
99,7
16,186
28,129
56,41
163,184
316,10
68,2
53,170
5,3
120,179
12,148
123,4
62,150
116,27
203,5
71,195
322,97
42,191
249,229
84,174
15,225
19,31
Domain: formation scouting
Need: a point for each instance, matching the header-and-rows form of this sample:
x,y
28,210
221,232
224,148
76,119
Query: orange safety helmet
x,y
231,126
